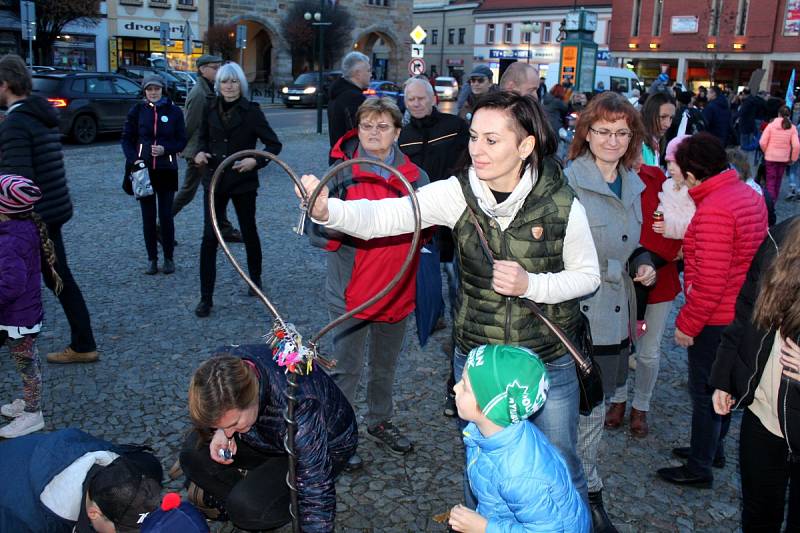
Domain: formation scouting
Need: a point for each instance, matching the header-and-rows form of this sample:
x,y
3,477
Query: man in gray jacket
x,y
201,95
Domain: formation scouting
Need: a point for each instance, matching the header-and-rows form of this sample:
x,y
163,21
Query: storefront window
x,y
75,52
135,52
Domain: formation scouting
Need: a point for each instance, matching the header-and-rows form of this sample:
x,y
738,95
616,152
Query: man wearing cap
x,y
196,103
69,481
517,476
30,146
480,82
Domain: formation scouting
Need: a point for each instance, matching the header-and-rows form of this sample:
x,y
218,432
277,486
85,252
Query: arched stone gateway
x,y
265,58
379,43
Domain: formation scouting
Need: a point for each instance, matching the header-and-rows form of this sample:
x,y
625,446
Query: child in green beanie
x,y
518,477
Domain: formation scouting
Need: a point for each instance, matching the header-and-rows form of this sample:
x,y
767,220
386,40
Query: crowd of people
x,y
553,200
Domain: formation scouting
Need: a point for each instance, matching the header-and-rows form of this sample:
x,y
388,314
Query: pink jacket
x,y
678,209
725,232
776,143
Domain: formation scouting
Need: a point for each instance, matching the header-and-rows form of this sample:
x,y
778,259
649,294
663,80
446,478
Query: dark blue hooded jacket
x,y
151,124
327,433
717,115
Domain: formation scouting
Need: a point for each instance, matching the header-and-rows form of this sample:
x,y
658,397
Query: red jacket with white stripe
x,y
725,232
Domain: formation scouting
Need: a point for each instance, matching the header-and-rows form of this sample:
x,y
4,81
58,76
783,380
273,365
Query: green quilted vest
x,y
485,317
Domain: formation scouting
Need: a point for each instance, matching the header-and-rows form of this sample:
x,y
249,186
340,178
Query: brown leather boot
x,y
639,427
615,415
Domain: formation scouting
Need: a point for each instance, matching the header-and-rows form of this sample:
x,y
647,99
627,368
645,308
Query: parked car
x,y
446,88
186,77
88,103
380,88
176,89
303,90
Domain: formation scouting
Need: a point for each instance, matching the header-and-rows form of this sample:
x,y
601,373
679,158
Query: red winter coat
x,y
726,231
358,269
668,285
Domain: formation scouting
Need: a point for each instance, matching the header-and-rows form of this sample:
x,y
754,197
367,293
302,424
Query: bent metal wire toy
x,y
288,348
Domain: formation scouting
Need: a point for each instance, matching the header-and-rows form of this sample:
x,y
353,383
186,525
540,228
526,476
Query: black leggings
x,y
245,206
766,471
160,204
258,500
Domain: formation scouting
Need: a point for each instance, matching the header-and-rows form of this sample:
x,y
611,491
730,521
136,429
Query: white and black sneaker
x,y
13,409
22,425
390,437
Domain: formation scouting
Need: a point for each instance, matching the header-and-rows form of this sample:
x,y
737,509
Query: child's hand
x,y
658,227
466,520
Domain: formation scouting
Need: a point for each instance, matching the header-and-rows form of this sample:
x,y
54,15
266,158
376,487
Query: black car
x,y
88,103
176,89
303,90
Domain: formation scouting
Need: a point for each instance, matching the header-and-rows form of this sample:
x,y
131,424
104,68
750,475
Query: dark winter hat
x,y
175,517
124,493
482,70
152,79
206,59
17,194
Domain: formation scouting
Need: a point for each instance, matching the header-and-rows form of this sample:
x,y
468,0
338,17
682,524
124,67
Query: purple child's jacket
x,y
20,274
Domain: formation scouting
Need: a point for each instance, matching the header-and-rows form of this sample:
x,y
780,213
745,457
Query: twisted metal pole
x,y
306,204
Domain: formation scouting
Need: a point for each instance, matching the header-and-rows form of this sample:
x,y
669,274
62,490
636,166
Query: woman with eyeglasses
x,y
358,269
513,189
607,143
231,123
657,115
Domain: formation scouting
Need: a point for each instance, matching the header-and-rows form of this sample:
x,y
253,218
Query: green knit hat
x,y
510,383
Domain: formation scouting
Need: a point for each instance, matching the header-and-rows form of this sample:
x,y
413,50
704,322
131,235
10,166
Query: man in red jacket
x,y
726,230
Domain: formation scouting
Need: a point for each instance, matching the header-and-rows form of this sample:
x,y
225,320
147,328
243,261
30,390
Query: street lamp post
x,y
317,16
530,28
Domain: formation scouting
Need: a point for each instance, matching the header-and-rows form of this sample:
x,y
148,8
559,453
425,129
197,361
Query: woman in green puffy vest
x,y
537,232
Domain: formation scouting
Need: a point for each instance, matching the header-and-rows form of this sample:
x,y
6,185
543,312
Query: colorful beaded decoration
x,y
288,350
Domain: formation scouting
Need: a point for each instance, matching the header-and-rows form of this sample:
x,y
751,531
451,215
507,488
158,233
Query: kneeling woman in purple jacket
x,y
154,134
236,403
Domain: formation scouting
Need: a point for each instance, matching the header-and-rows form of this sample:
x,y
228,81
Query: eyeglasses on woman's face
x,y
606,135
382,127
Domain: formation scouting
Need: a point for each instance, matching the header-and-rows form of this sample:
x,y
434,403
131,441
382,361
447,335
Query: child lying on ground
x,y
518,477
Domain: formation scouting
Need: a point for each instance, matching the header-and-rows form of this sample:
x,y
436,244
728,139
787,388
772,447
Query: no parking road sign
x,y
416,66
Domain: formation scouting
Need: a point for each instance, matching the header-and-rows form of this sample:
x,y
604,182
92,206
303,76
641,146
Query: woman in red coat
x,y
724,234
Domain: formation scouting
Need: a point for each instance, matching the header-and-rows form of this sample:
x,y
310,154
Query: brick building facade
x,y
726,39
381,31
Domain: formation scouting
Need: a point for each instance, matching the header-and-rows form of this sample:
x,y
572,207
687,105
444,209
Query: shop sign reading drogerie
x,y
147,28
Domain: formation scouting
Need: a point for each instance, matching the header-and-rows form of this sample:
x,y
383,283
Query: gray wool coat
x,y
615,225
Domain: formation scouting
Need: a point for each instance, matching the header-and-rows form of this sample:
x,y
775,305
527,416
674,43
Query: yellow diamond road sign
x,y
418,34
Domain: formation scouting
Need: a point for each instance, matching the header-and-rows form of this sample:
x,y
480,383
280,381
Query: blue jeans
x,y
708,428
558,420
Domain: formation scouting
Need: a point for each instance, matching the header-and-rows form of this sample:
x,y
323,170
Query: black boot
x,y
601,523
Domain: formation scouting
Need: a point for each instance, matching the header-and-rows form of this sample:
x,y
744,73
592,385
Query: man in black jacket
x,y
346,95
751,108
435,141
30,146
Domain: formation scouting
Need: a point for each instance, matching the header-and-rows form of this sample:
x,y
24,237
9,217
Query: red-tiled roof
x,y
496,5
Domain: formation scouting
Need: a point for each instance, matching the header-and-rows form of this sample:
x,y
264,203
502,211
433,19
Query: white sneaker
x,y
22,425
13,409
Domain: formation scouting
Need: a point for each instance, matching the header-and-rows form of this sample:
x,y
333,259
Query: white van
x,y
611,77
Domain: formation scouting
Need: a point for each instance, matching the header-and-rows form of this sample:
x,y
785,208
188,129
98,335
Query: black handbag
x,y
590,381
127,186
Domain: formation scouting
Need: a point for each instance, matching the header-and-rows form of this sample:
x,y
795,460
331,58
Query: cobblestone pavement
x,y
150,341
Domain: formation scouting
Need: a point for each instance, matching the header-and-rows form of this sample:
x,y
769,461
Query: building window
x,y
637,12
462,33
434,36
382,3
741,17
547,32
451,36
490,34
525,37
508,32
162,4
658,10
186,2
713,24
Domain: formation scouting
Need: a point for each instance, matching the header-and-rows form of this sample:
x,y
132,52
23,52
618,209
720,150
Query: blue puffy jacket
x,y
522,483
151,124
327,433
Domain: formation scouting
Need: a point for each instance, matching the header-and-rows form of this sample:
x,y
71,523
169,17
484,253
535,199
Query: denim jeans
x,y
794,176
708,428
558,419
